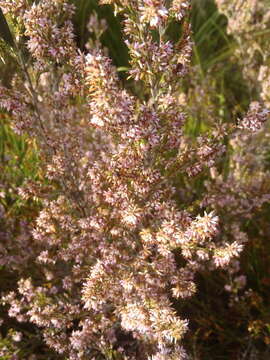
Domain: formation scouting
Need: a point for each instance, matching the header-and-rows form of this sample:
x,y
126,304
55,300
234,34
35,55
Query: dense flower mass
x,y
118,236
48,25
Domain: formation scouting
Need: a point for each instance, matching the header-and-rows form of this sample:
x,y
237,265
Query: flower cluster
x,y
14,7
48,25
255,118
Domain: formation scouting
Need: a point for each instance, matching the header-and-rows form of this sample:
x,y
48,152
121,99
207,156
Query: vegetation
x,y
134,183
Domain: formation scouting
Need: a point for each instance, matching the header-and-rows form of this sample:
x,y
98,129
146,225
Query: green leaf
x,y
122,68
5,33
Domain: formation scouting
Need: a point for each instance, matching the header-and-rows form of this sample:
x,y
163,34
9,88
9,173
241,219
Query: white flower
x,y
95,120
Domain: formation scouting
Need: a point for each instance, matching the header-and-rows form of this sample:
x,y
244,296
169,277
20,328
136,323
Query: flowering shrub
x,y
118,236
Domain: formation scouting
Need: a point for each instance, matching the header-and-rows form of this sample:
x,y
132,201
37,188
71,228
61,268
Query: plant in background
x,y
238,190
119,234
248,23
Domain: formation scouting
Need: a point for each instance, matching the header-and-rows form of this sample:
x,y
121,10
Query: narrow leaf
x,y
5,33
